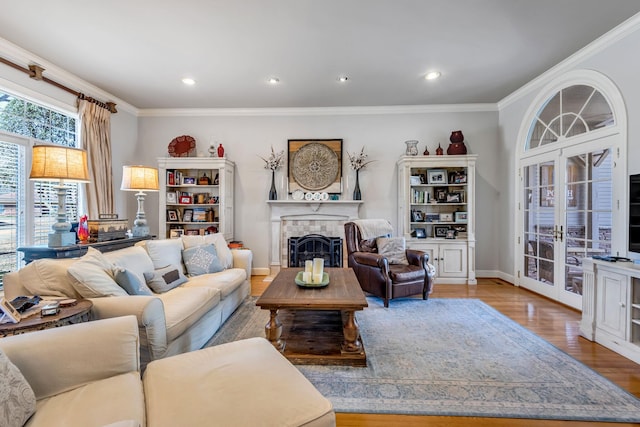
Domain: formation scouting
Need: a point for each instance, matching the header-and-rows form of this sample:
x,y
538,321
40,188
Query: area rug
x,y
457,357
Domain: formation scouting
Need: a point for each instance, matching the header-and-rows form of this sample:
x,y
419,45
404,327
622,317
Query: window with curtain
x,y
28,209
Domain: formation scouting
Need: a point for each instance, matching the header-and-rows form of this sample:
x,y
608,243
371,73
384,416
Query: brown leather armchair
x,y
378,277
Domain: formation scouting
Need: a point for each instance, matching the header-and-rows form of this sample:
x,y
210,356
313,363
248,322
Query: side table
x,y
77,313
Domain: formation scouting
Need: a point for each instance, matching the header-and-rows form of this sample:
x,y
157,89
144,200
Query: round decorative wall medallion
x,y
315,166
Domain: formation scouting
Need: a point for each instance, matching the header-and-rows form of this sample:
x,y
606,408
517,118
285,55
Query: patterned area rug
x,y
456,357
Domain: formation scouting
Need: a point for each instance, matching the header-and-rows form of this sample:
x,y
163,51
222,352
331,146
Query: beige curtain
x,y
95,122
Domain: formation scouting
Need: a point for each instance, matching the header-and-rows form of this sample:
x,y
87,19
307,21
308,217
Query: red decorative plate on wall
x,y
182,146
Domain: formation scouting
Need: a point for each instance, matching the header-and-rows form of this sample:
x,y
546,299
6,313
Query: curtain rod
x,y
35,72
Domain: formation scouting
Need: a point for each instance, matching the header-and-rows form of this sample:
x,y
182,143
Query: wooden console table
x,y
32,253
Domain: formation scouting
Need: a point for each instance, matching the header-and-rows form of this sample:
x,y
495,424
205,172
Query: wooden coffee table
x,y
316,325
70,315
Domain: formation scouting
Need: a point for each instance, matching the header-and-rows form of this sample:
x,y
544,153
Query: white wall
x,y
383,135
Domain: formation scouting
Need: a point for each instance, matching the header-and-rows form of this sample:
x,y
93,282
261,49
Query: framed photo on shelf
x,y
420,233
172,197
460,177
192,232
440,194
172,215
176,232
440,231
461,217
451,234
455,197
185,200
446,217
188,180
437,176
431,217
417,216
187,215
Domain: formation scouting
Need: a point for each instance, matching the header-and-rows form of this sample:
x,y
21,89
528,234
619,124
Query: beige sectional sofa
x,y
170,321
88,375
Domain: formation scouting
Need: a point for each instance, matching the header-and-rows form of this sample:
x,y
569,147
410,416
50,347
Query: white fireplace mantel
x,y
282,210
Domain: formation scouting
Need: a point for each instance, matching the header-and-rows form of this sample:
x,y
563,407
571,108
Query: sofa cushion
x,y
17,400
165,252
201,259
393,248
92,276
183,307
226,281
130,282
48,277
135,259
165,279
222,248
271,390
97,403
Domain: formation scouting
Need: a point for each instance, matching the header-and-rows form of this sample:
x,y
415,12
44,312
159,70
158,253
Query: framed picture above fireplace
x,y
315,165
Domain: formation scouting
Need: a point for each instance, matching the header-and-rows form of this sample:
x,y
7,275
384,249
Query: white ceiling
x,y
138,50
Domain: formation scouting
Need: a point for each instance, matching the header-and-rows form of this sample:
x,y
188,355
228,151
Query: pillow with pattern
x,y
18,401
393,248
201,259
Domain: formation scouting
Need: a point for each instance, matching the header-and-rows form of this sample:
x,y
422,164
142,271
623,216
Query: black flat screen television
x,y
634,213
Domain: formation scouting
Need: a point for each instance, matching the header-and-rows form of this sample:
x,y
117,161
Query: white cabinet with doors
x,y
196,196
611,306
436,212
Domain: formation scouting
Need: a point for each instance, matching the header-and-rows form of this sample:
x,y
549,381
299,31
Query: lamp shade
x,y
57,162
139,178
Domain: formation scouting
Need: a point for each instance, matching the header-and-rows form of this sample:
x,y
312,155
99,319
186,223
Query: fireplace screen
x,y
315,246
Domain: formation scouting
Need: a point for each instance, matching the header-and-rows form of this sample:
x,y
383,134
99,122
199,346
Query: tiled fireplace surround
x,y
292,218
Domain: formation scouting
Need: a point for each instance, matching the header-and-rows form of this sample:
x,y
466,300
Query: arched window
x,y
574,110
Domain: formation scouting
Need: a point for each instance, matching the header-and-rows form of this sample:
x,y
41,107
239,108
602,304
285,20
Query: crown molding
x,y
317,111
606,40
18,55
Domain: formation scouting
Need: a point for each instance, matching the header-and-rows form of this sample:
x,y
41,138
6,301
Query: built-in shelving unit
x,y
436,209
196,196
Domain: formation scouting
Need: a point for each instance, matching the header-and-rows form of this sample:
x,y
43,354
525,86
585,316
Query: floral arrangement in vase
x,y
273,163
358,161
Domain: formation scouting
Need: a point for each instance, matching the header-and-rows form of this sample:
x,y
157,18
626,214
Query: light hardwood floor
x,y
552,321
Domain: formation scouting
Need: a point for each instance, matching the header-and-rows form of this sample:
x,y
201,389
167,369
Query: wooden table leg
x,y
351,333
273,330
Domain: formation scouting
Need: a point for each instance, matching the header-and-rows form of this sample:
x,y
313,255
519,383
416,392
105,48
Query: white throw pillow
x,y
165,252
92,276
17,400
393,248
135,259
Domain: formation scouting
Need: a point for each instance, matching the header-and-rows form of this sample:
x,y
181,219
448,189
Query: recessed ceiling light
x,y
432,75
188,81
343,79
273,80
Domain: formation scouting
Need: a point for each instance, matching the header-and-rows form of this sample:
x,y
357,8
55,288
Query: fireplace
x,y
299,218
315,246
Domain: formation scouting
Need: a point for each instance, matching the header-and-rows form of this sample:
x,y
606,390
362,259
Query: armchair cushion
x,y
48,277
17,400
393,248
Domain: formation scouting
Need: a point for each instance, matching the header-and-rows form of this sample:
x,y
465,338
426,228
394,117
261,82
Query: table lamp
x,y
140,179
62,164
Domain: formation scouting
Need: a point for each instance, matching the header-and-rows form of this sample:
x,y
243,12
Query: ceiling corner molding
x,y
608,39
316,111
18,55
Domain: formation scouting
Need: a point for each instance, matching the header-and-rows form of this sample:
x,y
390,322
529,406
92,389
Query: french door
x,y
567,206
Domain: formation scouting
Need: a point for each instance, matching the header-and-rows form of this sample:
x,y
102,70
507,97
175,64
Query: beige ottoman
x,y
242,383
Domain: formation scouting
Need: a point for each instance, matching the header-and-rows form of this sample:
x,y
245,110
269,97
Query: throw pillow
x,y
201,260
17,400
393,248
165,252
130,282
222,247
92,276
164,279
